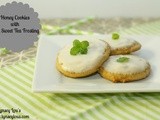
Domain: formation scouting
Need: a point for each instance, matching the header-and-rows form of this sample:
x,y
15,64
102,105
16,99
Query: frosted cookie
x,y
122,45
125,68
82,58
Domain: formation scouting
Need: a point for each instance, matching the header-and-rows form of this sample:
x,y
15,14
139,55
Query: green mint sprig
x,y
123,59
115,36
79,47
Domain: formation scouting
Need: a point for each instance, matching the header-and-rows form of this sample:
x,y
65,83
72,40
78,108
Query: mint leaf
x,y
84,51
115,36
74,50
123,59
76,43
84,44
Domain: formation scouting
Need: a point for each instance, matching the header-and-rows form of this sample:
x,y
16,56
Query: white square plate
x,y
48,79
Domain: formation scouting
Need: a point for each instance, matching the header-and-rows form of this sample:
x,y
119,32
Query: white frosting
x,y
81,63
120,43
134,65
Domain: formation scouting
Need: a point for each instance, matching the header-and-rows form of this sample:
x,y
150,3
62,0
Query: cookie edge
x,y
127,50
116,77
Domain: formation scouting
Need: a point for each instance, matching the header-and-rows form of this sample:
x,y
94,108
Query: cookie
x,y
122,45
82,65
125,68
